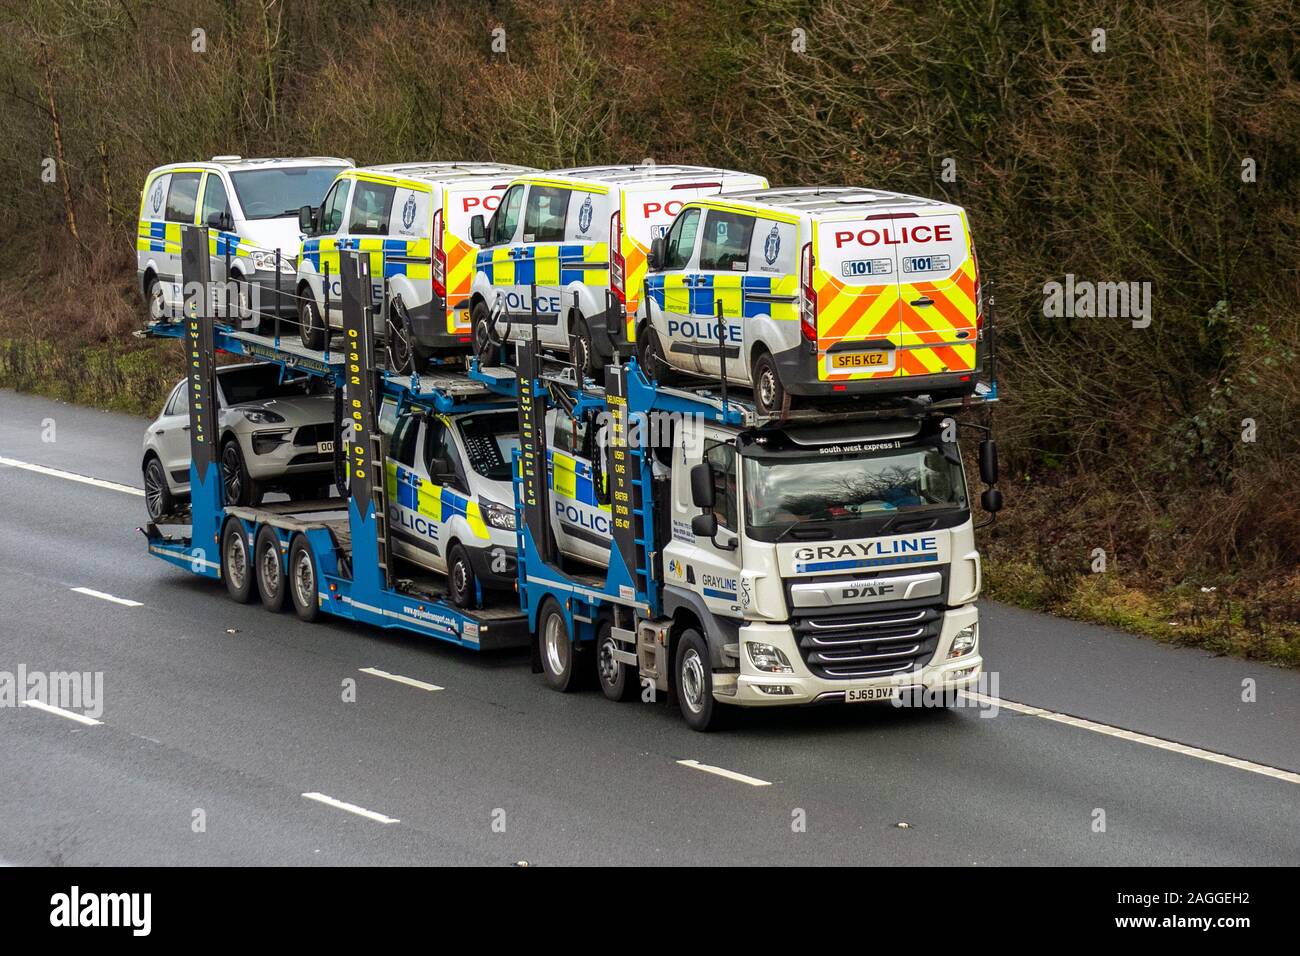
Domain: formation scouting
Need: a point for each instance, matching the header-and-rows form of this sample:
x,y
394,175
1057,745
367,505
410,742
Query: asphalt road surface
x,y
219,718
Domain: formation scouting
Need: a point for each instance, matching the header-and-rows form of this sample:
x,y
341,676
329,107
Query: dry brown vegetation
x,y
1123,165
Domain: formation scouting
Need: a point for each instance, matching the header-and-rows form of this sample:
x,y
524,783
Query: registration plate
x,y
325,447
857,360
861,695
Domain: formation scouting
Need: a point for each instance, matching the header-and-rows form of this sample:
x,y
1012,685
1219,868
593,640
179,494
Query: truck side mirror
x,y
991,500
989,461
656,258
306,220
705,526
702,488
477,230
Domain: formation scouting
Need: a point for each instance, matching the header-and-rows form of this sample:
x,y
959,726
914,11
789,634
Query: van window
x,y
681,240
280,192
402,448
440,452
332,212
214,198
726,242
569,435
507,216
722,462
182,196
547,209
370,206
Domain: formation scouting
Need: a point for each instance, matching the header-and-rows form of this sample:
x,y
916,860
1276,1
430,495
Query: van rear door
x,y
858,315
463,203
937,307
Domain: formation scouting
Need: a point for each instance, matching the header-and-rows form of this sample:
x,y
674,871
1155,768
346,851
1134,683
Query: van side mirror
x,y
655,260
991,500
989,461
705,526
219,220
306,220
702,486
477,230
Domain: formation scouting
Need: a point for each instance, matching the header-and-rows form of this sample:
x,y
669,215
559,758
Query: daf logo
x,y
867,590
157,197
584,215
408,212
772,247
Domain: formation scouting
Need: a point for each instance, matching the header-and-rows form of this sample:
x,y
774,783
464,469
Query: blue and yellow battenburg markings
x,y
671,294
435,502
545,264
571,478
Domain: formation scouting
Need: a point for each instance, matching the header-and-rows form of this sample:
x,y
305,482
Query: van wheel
x,y
770,395
268,558
302,580
157,496
650,353
406,354
236,565
694,682
460,577
585,358
561,662
310,327
486,348
618,681
154,299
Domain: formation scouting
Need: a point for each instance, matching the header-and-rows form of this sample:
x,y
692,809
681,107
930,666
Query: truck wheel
x,y
770,395
486,348
310,327
560,659
302,580
237,487
460,577
694,683
236,565
268,558
157,496
618,681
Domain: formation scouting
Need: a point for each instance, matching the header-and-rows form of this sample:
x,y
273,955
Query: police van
x,y
823,291
582,237
251,207
413,219
451,501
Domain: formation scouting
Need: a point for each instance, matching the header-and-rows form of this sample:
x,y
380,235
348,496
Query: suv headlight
x,y
964,642
768,659
263,416
498,515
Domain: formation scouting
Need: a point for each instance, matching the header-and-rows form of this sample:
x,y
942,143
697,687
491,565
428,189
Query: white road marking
x,y
350,808
72,476
729,774
1138,738
398,678
89,592
51,709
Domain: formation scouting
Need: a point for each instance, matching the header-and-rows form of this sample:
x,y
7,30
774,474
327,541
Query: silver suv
x,y
274,436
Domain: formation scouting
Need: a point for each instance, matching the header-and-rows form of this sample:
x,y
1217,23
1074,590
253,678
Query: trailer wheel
x,y
302,580
560,658
618,681
268,558
236,565
770,395
694,681
460,577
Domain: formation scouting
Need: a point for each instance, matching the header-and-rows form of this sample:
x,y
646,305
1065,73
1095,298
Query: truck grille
x,y
856,644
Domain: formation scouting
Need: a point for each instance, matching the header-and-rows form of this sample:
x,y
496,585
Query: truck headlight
x,y
964,642
768,659
499,516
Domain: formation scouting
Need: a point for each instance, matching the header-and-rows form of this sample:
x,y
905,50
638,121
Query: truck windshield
x,y
490,440
275,193
780,491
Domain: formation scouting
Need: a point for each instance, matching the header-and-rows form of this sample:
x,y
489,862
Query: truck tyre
x,y
236,562
486,346
302,580
268,558
618,681
460,577
237,487
770,395
561,662
157,496
311,329
694,681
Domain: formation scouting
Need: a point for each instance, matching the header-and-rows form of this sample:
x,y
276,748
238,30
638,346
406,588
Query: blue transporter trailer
x,y
330,556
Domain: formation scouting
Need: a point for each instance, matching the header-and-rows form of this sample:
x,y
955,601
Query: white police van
x,y
413,220
251,207
582,237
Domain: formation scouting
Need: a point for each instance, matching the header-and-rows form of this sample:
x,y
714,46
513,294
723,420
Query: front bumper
x,y
753,688
265,304
285,459
504,576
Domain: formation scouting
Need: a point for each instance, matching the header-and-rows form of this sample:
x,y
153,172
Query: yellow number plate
x,y
851,360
